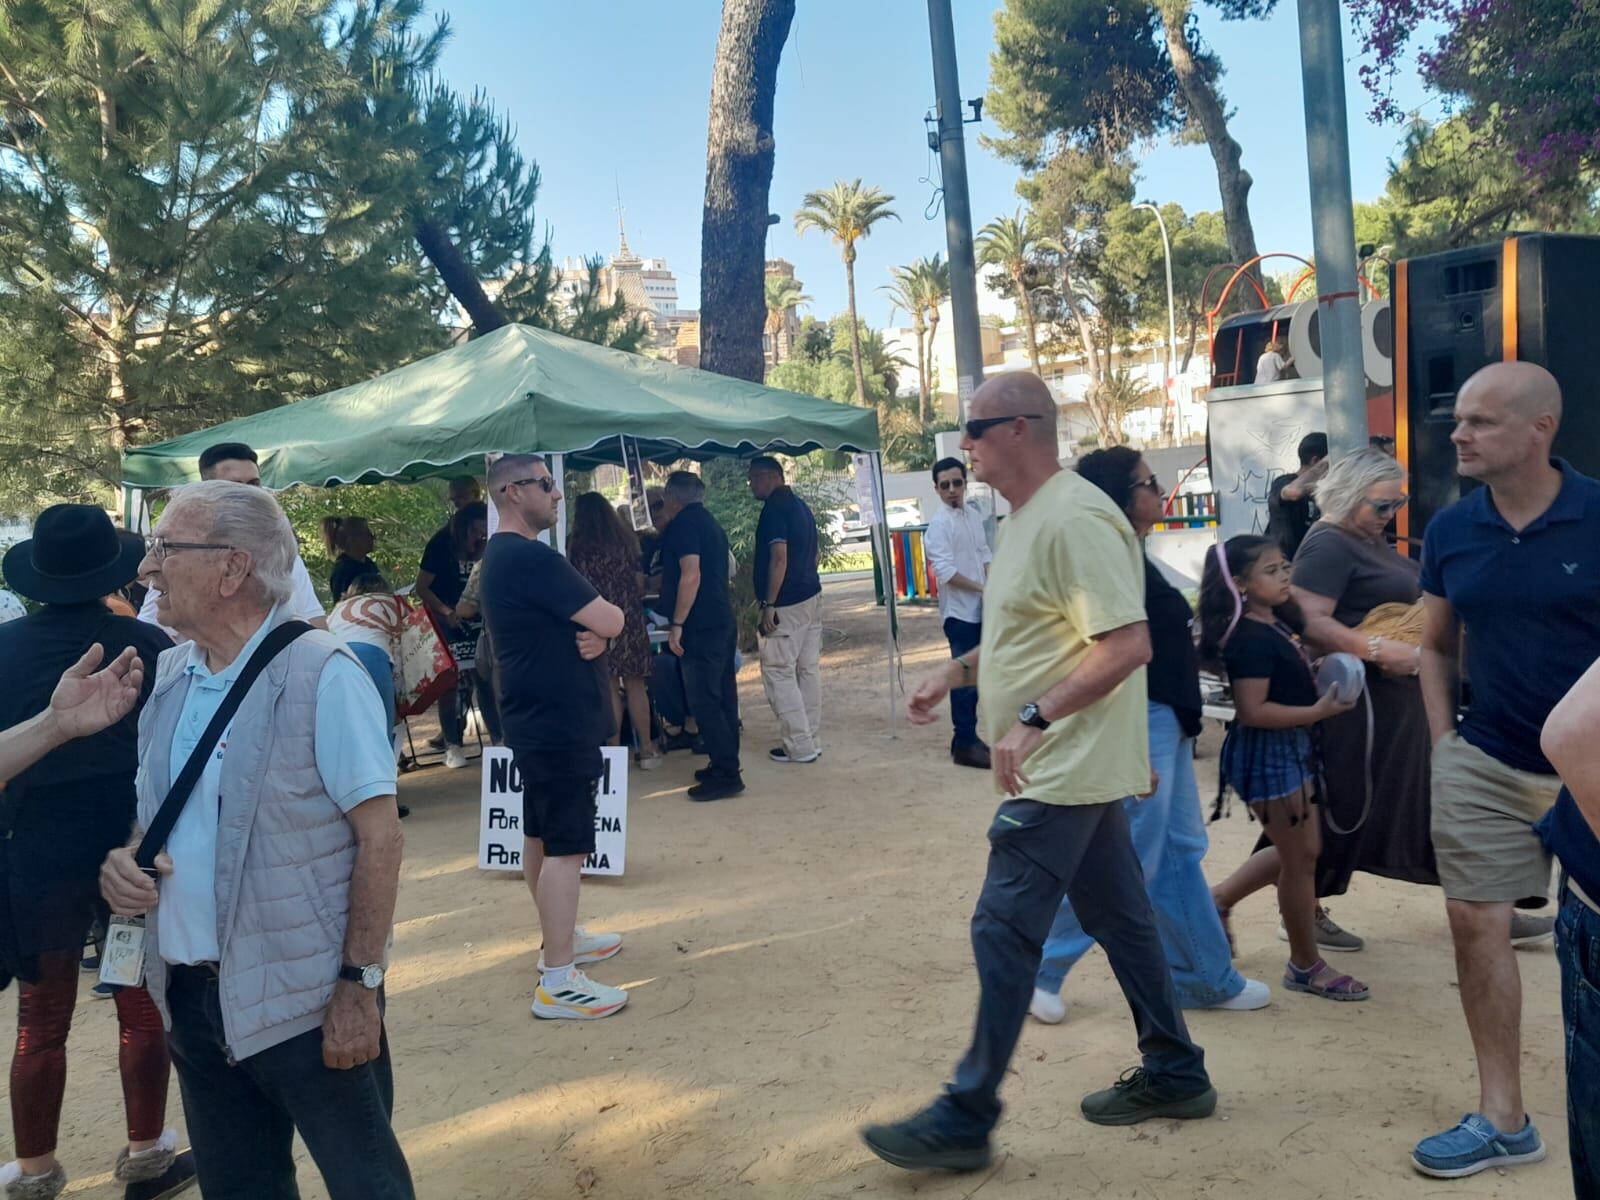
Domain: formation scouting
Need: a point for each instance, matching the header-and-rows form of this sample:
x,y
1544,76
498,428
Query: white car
x,y
903,514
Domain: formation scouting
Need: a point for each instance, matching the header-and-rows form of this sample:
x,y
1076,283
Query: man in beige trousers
x,y
790,594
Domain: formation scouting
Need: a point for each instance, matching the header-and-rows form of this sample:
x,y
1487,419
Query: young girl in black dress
x,y
1249,626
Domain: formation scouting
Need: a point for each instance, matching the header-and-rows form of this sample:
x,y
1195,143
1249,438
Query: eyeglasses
x,y
976,428
546,482
950,485
1152,483
1386,508
159,547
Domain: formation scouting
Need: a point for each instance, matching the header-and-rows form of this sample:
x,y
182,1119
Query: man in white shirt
x,y
958,550
237,463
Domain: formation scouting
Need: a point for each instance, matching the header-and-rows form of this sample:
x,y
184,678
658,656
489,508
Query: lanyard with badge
x,y
122,962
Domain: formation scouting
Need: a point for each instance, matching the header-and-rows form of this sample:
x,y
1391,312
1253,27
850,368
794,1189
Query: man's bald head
x,y
1506,420
1524,387
1018,394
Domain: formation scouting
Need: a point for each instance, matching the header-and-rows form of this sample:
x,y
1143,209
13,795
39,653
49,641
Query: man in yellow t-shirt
x,y
1060,677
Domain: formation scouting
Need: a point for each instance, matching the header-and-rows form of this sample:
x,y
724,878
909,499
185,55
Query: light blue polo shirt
x,y
354,758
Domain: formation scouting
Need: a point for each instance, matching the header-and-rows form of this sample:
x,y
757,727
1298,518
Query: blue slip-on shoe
x,y
1476,1145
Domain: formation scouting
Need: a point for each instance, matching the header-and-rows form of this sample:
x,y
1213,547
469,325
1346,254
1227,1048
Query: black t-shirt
x,y
347,570
1259,651
552,702
695,531
449,572
93,773
1173,676
786,518
1288,520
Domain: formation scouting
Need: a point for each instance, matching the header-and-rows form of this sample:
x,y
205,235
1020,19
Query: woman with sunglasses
x,y
1344,569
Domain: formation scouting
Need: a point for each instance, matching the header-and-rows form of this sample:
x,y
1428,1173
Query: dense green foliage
x,y
207,209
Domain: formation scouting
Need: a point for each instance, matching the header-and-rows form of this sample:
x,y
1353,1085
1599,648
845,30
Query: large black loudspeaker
x,y
1532,298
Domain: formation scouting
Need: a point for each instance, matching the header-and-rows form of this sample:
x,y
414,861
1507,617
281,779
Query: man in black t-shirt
x,y
694,593
549,628
1290,511
790,594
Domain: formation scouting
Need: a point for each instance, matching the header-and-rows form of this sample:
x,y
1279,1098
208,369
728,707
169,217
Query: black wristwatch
x,y
369,977
1029,715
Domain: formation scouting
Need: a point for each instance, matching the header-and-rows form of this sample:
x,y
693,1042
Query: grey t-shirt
x,y
1357,575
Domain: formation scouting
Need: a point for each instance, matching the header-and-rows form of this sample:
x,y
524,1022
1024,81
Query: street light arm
x,y
1172,317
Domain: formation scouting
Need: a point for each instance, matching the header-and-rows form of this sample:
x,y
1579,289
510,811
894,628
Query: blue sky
x,y
615,93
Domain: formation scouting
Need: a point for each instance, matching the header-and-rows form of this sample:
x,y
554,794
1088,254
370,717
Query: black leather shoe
x,y
975,755
716,788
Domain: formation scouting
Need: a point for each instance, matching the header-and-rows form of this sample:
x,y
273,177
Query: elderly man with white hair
x,y
270,910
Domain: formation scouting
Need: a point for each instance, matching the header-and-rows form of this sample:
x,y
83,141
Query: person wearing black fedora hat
x,y
59,819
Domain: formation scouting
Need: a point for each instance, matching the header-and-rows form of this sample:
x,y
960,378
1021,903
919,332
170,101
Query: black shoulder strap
x,y
167,815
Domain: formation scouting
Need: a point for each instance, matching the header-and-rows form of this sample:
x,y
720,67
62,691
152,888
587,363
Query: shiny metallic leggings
x,y
39,1067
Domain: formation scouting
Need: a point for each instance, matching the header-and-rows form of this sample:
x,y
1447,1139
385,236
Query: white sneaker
x,y
1048,1007
590,947
649,762
455,757
1254,995
579,999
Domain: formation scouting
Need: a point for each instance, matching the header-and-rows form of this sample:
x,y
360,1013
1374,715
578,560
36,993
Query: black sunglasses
x,y
976,428
1152,483
948,485
547,482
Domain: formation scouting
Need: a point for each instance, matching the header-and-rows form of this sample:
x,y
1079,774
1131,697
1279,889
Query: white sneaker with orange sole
x,y
578,999
590,947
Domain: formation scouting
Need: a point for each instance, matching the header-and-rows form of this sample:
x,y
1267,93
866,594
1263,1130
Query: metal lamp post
x,y
1172,325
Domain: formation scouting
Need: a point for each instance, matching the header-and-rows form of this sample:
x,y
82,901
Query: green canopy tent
x,y
519,390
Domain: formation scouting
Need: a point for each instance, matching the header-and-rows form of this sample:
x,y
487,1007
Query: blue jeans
x,y
1169,836
243,1116
1578,948
381,669
1037,854
963,636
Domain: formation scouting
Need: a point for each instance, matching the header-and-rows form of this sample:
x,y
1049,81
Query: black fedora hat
x,y
75,555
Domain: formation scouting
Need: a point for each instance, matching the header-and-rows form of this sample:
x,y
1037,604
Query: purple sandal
x,y
1340,987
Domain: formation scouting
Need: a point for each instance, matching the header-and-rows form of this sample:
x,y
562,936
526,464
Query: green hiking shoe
x,y
1137,1097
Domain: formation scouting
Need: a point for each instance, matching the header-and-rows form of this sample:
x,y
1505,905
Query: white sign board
x,y
500,814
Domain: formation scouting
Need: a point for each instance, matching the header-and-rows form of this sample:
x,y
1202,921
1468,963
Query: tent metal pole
x,y
881,534
558,468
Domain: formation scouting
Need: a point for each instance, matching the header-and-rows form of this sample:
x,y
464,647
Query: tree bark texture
x,y
1200,97
457,274
855,325
924,403
739,159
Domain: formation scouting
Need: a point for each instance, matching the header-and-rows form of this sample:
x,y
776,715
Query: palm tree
x,y
783,293
934,274
906,295
1010,243
846,212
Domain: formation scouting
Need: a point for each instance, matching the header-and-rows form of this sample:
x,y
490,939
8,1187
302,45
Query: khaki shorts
x,y
1483,816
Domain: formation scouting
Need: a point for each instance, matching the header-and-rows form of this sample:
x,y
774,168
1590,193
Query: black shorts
x,y
559,796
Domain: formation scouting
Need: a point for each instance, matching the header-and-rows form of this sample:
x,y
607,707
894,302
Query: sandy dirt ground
x,y
798,964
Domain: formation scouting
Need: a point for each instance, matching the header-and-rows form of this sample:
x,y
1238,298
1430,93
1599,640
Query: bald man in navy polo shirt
x,y
1515,565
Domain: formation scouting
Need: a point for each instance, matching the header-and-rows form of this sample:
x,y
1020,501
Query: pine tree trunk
x,y
855,329
739,160
457,274
1202,101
